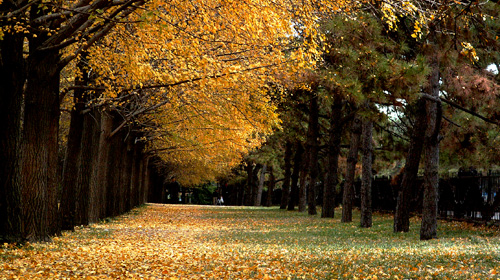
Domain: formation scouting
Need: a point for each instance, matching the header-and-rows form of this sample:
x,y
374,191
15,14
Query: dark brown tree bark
x,y
254,184
135,175
247,200
312,150
39,146
124,174
241,194
54,179
127,178
145,181
84,172
90,145
428,229
303,180
86,195
70,187
12,78
366,176
352,159
285,189
260,188
402,214
140,177
294,188
100,183
121,187
335,134
114,175
39,143
270,187
37,74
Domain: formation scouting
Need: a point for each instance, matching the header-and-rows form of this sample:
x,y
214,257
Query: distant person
x,y
220,200
215,197
173,189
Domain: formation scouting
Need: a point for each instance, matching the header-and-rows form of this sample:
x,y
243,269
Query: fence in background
x,y
463,197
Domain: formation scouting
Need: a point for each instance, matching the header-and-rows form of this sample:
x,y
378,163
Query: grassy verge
x,y
206,242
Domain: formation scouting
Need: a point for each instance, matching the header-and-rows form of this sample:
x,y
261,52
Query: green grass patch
x,y
345,250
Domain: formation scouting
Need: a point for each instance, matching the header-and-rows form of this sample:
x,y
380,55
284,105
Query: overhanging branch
x,y
455,105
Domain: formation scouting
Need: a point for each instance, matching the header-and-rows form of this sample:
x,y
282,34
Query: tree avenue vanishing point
x,y
146,62
190,84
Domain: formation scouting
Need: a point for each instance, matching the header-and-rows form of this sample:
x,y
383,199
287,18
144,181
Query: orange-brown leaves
x,y
208,242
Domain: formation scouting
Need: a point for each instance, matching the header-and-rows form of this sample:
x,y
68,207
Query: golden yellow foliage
x,y
201,70
205,67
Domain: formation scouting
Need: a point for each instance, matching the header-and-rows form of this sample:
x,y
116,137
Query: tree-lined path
x,y
208,242
102,102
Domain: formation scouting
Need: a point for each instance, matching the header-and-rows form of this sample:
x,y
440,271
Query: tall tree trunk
x,y
117,173
336,127
249,185
54,179
285,193
241,194
294,188
114,174
70,188
145,184
313,149
366,177
402,214
128,172
100,183
262,179
90,146
352,159
12,79
135,177
86,195
428,229
303,180
255,184
124,178
140,177
39,145
270,187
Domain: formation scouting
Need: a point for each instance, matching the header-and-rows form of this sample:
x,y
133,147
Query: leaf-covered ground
x,y
208,242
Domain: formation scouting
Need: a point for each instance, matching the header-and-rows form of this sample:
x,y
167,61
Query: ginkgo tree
x,y
178,46
205,78
198,115
33,38
206,67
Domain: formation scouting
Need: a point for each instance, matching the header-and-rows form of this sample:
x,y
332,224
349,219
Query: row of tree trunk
x,y
251,192
103,175
301,177
98,169
299,186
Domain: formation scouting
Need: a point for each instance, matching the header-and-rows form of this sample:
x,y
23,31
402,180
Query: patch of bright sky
x,y
492,68
390,110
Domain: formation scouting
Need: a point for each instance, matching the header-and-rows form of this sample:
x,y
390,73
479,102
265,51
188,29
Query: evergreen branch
x,y
456,105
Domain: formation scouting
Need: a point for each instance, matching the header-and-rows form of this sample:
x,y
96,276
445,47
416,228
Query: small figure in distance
x,y
220,200
215,197
174,189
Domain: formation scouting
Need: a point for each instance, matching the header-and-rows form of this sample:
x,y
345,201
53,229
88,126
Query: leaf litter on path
x,y
207,242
